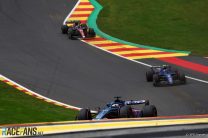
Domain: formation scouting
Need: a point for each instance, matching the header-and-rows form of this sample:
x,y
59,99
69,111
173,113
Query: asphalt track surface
x,y
34,53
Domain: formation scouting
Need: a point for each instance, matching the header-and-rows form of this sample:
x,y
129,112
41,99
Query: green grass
x,y
170,24
17,107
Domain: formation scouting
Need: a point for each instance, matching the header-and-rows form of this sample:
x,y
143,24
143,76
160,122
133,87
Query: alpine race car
x,y
119,109
76,29
165,75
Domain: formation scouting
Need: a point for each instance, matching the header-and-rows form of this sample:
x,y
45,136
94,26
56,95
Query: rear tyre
x,y
149,76
149,111
84,25
156,80
64,29
182,78
92,32
70,34
126,112
84,114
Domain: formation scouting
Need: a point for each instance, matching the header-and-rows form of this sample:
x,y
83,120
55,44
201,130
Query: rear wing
x,y
160,66
137,102
72,21
156,67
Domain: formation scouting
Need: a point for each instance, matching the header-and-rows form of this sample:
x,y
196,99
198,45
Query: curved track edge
x,y
34,94
92,23
193,120
118,48
72,127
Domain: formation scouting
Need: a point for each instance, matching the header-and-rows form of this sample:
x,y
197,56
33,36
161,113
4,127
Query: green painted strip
x,y
92,23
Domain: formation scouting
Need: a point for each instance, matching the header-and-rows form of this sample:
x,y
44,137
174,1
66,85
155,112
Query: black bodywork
x,y
76,29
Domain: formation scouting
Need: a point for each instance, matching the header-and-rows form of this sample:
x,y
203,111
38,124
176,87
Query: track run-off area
x,y
36,55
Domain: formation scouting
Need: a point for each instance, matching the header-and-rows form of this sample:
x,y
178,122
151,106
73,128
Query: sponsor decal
x,y
21,131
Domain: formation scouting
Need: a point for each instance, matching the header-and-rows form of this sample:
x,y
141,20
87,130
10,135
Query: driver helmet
x,y
115,105
165,66
76,23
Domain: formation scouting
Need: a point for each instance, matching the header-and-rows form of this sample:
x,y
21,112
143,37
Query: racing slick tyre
x,y
84,25
91,32
149,76
70,34
149,111
156,80
182,78
84,114
126,112
64,29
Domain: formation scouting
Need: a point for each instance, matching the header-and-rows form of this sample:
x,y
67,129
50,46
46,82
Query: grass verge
x,y
169,24
17,107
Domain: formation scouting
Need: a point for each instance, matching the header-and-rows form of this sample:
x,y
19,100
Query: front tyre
x,y
91,32
156,80
64,29
149,111
149,76
84,114
126,112
182,78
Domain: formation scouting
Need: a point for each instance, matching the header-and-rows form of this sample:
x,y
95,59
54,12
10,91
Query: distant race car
x,y
76,29
165,75
120,109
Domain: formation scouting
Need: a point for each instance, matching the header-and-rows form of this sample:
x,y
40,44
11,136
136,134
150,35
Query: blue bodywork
x,y
167,75
160,75
111,110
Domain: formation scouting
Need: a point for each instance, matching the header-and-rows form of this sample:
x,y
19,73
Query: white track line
x,y
117,54
71,12
139,62
196,79
95,47
45,98
69,106
142,63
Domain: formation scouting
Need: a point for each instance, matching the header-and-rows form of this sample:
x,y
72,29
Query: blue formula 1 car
x,y
120,109
165,75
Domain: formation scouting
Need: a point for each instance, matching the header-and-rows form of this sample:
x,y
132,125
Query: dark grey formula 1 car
x,y
120,109
76,29
165,75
